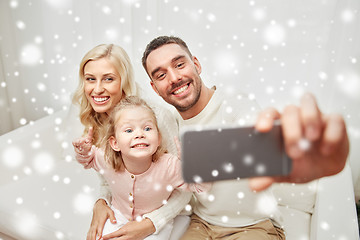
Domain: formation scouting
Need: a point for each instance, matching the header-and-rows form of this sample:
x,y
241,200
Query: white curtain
x,y
274,50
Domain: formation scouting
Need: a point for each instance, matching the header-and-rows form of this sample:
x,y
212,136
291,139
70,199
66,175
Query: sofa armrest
x,y
334,214
44,195
37,140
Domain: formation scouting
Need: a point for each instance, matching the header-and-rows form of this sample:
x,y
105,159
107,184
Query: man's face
x,y
175,76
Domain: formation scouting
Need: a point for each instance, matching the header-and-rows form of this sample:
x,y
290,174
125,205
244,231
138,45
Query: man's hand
x,y
133,230
101,213
83,145
318,144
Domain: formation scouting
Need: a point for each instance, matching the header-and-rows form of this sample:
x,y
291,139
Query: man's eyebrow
x,y
172,60
155,70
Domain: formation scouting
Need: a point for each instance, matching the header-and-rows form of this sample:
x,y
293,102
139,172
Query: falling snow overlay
x,y
272,51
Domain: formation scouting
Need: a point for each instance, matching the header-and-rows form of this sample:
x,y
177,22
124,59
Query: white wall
x,y
276,50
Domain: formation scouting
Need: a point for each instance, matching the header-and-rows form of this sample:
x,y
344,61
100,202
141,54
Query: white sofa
x,y
45,194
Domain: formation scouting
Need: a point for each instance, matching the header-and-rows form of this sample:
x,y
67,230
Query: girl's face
x,y
136,134
102,85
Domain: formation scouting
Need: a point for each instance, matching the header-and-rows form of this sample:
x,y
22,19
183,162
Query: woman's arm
x,y
153,222
175,204
83,148
101,211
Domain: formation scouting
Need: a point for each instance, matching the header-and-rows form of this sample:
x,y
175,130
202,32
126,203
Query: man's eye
x,y
128,130
179,65
160,76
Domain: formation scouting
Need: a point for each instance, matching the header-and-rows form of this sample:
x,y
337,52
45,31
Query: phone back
x,y
231,153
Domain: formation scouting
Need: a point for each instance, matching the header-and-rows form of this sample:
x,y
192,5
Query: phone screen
x,y
232,153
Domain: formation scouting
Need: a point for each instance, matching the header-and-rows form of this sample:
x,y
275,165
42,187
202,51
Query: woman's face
x,y
102,85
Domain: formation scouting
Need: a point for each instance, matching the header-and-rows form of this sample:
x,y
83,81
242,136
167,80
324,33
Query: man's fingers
x,y
333,135
311,117
260,183
292,131
266,118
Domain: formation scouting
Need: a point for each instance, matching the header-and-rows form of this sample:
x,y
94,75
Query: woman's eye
x,y
128,130
90,79
147,129
108,79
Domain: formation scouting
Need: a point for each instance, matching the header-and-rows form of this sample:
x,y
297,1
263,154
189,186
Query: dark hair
x,y
160,41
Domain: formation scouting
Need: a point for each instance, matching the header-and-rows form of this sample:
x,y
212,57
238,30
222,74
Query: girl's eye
x,y
128,130
147,129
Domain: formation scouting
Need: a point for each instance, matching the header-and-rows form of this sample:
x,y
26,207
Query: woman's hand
x,y
83,145
133,230
101,213
317,143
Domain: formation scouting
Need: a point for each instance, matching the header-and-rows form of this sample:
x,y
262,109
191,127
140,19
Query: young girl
x,y
140,174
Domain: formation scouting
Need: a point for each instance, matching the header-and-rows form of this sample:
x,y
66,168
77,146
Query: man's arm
x,y
317,143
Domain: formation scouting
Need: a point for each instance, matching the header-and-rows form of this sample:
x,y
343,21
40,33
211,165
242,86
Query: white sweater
x,y
232,203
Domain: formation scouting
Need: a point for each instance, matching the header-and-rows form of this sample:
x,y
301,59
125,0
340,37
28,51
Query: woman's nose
x,y
99,88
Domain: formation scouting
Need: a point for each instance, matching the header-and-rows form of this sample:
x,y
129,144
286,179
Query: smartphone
x,y
213,154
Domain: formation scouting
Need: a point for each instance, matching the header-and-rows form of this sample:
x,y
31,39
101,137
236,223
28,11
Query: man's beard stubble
x,y
181,108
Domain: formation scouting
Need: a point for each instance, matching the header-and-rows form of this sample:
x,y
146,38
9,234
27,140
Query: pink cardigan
x,y
135,195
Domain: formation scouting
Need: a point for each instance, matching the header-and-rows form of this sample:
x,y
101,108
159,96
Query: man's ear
x,y
113,144
197,64
154,87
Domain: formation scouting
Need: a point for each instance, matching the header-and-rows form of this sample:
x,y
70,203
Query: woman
x,y
106,76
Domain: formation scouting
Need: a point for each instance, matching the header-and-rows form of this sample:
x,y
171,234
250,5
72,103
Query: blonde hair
x,y
121,61
114,157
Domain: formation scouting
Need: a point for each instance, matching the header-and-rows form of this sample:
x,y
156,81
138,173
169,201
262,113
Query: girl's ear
x,y
113,144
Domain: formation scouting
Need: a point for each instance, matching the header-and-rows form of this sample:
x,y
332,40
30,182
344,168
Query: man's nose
x,y
174,76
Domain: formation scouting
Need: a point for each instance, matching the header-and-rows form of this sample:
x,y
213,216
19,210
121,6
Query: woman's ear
x,y
113,144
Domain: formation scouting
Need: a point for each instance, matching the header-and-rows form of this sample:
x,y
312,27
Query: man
x,y
175,76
